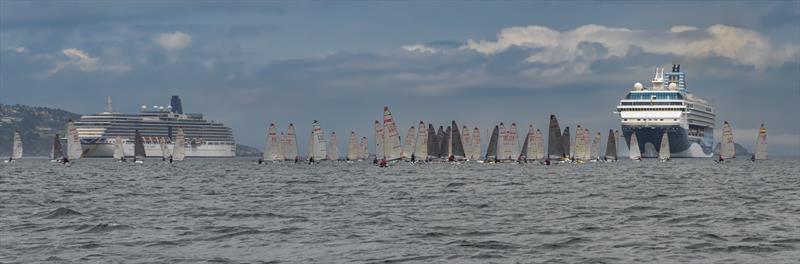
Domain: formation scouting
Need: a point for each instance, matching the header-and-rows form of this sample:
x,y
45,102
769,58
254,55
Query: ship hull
x,y
106,150
681,145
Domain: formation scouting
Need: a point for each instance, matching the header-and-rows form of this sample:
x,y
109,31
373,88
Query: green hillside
x,y
36,125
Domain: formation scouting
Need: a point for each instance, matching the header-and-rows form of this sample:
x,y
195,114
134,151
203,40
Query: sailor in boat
x,y
546,162
311,160
296,159
170,159
382,163
753,158
260,160
10,159
451,158
375,160
413,158
65,161
720,159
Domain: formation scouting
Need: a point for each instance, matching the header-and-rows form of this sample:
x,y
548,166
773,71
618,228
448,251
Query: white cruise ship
x,y
204,138
668,107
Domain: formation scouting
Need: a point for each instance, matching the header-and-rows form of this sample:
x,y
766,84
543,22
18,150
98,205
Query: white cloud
x,y
681,29
85,63
174,41
21,49
420,48
550,46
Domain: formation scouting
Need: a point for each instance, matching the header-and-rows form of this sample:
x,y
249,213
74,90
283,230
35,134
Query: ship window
x,y
625,119
662,119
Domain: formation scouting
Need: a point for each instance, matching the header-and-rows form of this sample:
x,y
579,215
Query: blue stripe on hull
x,y
679,140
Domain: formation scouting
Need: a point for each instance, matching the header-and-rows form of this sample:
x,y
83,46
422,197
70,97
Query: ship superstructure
x,y
667,106
204,138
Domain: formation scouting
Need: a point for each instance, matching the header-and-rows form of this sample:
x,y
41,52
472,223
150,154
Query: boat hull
x,y
106,150
681,144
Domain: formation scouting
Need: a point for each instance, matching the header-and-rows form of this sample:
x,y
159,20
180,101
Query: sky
x,y
251,63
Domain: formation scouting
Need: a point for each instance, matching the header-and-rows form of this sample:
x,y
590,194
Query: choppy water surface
x,y
236,211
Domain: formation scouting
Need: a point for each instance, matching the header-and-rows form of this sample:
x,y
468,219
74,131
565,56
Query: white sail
x,y
514,140
290,150
728,149
364,148
466,142
74,149
579,143
596,146
353,148
408,144
476,144
179,150
634,152
119,152
663,152
16,152
272,148
162,143
380,150
421,144
392,147
505,149
587,145
333,147
538,142
530,144
317,145
761,144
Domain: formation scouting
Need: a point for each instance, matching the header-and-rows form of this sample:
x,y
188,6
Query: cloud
x,y
21,49
681,29
420,48
174,41
548,46
82,61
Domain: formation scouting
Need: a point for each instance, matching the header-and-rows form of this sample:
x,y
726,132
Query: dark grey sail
x,y
138,146
433,143
565,147
457,145
611,146
440,140
523,154
55,151
491,152
555,148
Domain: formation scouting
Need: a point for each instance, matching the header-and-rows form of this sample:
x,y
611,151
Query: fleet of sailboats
x,y
421,143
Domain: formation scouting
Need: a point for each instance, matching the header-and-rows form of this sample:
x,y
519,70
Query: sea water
x,y
234,211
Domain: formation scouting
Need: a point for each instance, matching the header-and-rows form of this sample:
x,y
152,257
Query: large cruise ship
x,y
667,106
98,132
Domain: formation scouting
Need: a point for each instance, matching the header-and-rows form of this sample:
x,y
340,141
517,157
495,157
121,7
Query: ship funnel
x,y
175,102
